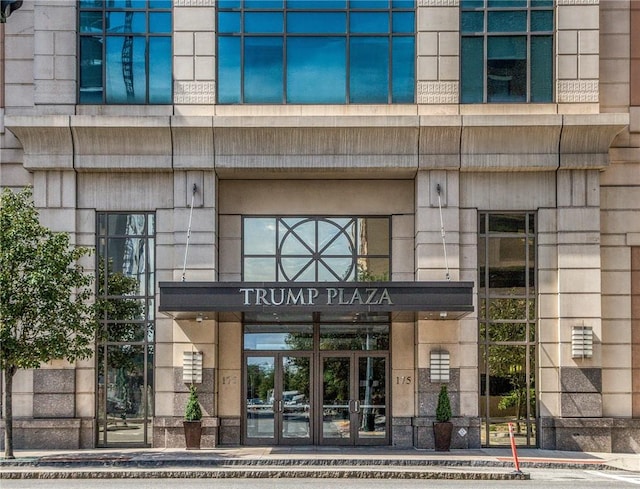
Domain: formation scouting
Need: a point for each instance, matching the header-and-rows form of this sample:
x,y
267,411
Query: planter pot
x,y
442,436
192,434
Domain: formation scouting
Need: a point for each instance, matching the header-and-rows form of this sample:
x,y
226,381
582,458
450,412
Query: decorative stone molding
x,y
202,92
438,92
577,91
560,3
194,3
438,3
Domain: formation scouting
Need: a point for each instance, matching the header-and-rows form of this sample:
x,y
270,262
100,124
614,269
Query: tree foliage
x,y
193,412
443,409
46,308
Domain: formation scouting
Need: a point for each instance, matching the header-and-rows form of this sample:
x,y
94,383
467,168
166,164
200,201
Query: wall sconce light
x,y
192,367
440,366
199,318
581,341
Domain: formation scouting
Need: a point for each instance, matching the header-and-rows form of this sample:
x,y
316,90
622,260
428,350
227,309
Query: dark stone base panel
x,y
169,433
590,434
402,432
49,434
229,432
466,433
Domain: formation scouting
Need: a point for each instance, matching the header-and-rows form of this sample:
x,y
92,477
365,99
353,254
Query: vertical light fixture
x,y
440,366
192,367
582,341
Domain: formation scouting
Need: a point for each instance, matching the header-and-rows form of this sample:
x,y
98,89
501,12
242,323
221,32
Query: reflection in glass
x,y
260,397
354,337
126,312
507,328
316,249
372,416
296,403
323,51
336,422
278,337
136,67
123,395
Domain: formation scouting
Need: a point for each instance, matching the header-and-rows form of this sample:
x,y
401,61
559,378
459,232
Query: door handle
x,y
356,405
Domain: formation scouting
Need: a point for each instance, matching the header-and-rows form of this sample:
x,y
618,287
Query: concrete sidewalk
x,y
325,462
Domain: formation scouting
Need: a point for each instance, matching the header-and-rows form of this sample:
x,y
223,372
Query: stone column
x,y
194,47
579,304
439,333
578,49
438,51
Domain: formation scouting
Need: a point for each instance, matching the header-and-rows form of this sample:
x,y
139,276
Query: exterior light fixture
x,y
199,318
440,366
582,341
192,367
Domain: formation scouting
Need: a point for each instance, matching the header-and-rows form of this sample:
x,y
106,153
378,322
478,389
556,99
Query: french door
x,y
354,393
279,404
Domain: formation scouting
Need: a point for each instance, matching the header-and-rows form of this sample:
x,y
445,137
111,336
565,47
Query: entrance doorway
x,y
317,383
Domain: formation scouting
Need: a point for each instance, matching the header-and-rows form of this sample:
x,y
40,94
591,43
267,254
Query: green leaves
x,y
443,409
193,412
46,309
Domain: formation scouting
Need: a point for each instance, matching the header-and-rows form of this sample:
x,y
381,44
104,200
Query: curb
x,y
337,473
203,463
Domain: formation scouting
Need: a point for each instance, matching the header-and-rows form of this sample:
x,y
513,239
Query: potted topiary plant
x,y
192,420
443,427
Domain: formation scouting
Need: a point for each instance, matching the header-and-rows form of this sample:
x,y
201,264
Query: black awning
x,y
448,300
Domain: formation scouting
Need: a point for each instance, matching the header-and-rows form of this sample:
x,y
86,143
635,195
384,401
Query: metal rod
x,y
186,249
444,244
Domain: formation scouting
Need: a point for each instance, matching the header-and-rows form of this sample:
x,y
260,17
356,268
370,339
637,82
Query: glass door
x,y
354,399
278,399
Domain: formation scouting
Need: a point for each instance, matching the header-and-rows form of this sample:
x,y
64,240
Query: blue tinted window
x,y
403,70
472,21
369,70
472,70
368,22
229,22
317,4
160,61
514,21
507,69
369,4
541,20
222,4
160,23
263,4
403,22
125,52
126,70
263,70
316,70
263,22
91,91
507,3
91,22
541,69
506,51
317,22
335,51
229,72
126,22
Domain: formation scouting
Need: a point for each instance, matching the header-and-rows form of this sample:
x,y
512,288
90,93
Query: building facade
x,y
320,211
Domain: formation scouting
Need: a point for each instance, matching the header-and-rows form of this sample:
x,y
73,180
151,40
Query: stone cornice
x,y
350,143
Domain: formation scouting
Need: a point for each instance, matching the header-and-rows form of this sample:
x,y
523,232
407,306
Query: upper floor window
x,y
316,249
125,54
506,51
316,51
